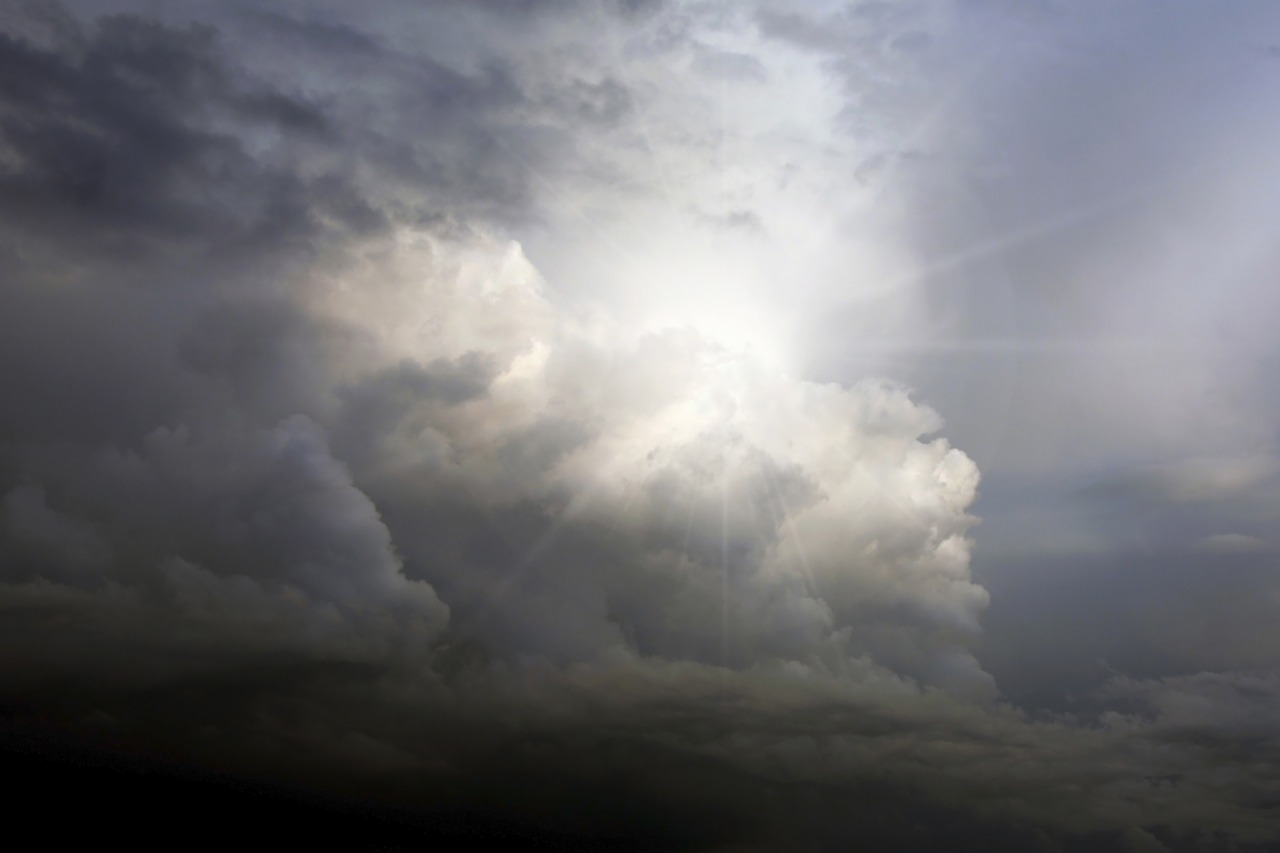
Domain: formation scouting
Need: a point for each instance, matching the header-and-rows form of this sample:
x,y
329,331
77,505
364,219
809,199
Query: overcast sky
x,y
658,425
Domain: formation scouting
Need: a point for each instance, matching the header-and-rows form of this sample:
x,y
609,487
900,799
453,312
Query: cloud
x,y
197,550
830,503
1198,479
313,472
1234,543
429,356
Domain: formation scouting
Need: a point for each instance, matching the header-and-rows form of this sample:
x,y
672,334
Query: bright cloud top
x,y
749,515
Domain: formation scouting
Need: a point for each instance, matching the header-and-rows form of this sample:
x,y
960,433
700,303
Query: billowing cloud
x,y
432,405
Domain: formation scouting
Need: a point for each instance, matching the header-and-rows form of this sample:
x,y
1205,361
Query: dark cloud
x,y
308,477
317,36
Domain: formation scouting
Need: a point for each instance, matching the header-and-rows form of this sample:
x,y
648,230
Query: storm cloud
x,y
526,420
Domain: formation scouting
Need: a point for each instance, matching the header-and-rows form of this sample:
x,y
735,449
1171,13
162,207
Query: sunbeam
x,y
444,424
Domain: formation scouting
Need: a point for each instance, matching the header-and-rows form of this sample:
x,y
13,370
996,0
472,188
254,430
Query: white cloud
x,y
777,517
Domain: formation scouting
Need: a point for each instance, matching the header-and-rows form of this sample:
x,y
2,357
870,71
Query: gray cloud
x,y
310,472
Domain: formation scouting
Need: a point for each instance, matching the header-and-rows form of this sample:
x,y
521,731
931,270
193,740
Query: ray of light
x,y
724,569
1003,346
548,538
779,506
688,527
1018,236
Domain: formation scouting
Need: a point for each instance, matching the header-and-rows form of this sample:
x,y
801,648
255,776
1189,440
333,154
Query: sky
x,y
645,424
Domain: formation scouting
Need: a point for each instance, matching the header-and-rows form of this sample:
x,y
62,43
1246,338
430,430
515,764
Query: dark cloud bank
x,y
326,515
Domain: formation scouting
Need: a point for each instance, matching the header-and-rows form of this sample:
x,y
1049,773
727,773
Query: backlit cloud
x,y
485,409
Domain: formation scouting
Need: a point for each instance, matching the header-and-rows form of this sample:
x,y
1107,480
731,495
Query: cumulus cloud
x,y
674,479
664,477
447,438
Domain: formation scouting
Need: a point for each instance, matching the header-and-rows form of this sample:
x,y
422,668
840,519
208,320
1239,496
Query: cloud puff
x,y
660,493
676,479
